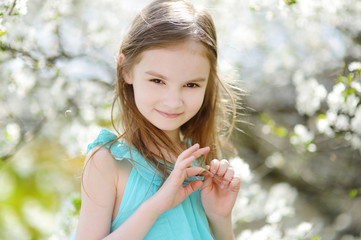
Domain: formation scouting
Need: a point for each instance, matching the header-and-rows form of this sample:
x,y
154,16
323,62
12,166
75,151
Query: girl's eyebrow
x,y
155,74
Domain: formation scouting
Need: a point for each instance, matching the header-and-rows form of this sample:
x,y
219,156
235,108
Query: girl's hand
x,y
173,192
218,197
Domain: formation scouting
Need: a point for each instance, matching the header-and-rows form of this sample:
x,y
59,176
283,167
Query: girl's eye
x,y
192,85
156,80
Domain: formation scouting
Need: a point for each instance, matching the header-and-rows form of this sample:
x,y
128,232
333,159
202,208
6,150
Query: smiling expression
x,y
169,84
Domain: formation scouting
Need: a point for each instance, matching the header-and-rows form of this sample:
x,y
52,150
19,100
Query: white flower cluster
x,y
9,8
344,110
343,114
272,232
80,136
302,138
273,206
310,94
13,7
66,219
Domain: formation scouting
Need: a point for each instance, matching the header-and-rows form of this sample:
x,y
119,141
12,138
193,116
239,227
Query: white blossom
x,y
2,26
250,203
310,94
354,66
275,160
242,169
21,7
356,142
302,135
324,126
267,232
335,98
13,132
351,104
342,122
280,202
356,85
312,147
302,231
356,121
79,135
65,223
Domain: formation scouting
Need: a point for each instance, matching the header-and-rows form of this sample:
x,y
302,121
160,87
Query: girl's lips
x,y
168,115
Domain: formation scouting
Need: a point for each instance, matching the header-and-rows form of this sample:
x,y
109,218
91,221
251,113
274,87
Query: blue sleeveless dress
x,y
185,221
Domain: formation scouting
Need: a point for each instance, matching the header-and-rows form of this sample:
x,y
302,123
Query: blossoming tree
x,y
299,154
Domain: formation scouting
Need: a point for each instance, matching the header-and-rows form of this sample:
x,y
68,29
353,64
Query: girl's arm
x,y
96,214
222,228
100,180
168,196
218,198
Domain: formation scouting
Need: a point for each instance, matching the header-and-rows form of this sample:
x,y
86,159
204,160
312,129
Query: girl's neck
x,y
174,136
176,143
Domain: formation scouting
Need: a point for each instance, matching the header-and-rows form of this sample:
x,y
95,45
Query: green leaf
x,y
7,135
265,118
290,2
348,92
321,116
77,204
353,193
280,131
349,78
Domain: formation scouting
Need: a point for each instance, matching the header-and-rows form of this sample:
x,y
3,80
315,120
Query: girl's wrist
x,y
156,205
214,217
220,220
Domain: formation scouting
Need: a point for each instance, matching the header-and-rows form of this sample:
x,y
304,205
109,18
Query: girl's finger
x,y
201,152
193,171
188,152
192,186
223,166
214,166
229,174
185,163
195,153
235,184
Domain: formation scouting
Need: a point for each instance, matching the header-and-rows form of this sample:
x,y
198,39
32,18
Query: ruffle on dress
x,y
121,151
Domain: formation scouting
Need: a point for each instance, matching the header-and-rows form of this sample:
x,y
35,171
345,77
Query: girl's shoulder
x,y
119,149
104,149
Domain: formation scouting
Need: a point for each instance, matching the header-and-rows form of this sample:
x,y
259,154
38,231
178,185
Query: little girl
x,y
159,178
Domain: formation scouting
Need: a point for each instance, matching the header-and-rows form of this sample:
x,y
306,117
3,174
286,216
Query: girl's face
x,y
169,84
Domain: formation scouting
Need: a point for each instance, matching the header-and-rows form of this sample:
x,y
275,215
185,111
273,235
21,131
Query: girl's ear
x,y
125,74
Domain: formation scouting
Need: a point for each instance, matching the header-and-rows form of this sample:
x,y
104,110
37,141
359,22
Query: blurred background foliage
x,y
299,63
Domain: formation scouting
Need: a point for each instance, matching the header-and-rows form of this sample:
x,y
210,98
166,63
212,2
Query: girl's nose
x,y
173,99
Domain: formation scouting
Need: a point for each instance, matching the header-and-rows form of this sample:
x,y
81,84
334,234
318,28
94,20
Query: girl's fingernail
x,y
222,186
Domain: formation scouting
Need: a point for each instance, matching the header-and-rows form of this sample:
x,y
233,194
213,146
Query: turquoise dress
x,y
185,221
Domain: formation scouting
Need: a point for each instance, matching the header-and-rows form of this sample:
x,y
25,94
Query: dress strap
x,y
105,137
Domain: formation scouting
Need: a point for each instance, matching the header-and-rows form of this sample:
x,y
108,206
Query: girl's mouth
x,y
168,115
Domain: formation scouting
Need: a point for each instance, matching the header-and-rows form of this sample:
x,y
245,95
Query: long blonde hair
x,y
161,23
